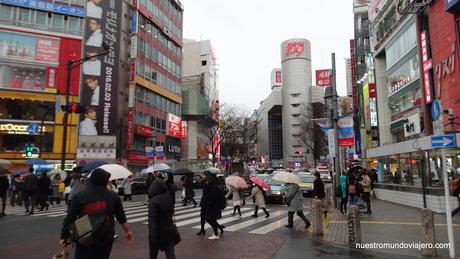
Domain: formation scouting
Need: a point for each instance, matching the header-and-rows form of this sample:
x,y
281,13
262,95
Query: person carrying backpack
x,y
456,191
99,205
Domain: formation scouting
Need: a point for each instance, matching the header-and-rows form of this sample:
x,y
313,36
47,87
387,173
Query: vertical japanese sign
x,y
130,128
100,81
427,65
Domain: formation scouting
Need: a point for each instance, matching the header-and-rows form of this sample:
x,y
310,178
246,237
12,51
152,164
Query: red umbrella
x,y
260,183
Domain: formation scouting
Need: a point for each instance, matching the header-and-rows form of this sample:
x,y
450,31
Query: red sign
x,y
427,64
278,76
174,126
324,77
47,50
132,72
354,85
295,47
142,130
138,157
184,130
130,129
372,93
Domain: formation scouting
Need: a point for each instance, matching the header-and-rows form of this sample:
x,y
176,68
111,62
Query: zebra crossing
x,y
187,216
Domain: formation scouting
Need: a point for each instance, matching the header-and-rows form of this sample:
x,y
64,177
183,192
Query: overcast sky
x,y
246,36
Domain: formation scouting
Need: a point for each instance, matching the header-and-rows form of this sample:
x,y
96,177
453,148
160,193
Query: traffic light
x,y
73,108
29,151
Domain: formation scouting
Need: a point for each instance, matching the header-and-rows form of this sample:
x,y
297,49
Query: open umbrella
x,y
19,172
5,163
92,165
116,171
143,171
4,171
36,161
62,173
236,182
183,171
260,183
213,170
287,177
160,167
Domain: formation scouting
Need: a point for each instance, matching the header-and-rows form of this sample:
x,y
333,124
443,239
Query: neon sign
x,y
294,47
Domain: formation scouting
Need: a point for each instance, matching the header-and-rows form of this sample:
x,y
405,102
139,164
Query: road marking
x,y
228,220
196,220
390,223
270,227
253,221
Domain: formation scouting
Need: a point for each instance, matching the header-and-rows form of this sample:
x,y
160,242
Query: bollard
x,y
428,232
317,218
329,191
354,226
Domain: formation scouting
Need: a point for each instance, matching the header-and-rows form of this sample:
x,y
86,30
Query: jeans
x,y
100,252
300,214
354,199
168,249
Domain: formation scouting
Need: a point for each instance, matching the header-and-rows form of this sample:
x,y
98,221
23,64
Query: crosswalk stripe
x,y
185,211
228,220
63,211
250,222
196,220
270,227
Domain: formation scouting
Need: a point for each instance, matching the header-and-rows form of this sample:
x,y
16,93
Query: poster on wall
x,y
100,74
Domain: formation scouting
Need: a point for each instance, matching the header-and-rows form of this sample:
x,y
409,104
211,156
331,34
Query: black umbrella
x,y
183,171
92,165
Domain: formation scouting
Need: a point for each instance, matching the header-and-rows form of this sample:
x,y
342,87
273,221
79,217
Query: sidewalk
x,y
390,223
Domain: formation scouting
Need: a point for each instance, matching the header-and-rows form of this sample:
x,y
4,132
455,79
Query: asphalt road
x,y
36,236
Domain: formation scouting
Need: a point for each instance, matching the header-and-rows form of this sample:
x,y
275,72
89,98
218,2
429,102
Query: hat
x,y
99,177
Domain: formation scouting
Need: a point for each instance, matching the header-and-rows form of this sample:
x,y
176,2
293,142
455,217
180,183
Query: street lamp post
x,y
71,64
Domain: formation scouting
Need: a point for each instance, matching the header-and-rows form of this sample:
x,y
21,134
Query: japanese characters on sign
x,y
324,77
427,65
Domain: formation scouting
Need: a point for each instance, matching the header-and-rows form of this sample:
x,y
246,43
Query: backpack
x,y
92,230
352,189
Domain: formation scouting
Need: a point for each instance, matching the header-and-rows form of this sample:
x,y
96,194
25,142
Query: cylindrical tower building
x,y
296,89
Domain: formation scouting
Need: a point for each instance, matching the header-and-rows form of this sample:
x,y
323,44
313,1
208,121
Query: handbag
x,y
63,254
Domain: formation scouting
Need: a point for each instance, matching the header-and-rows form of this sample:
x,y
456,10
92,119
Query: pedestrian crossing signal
x,y
29,151
73,108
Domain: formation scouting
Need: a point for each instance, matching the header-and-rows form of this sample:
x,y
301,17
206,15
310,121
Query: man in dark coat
x,y
95,200
44,183
3,189
213,205
163,233
318,191
189,193
31,191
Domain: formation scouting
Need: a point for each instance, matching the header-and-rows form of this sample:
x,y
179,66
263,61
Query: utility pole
x,y
335,123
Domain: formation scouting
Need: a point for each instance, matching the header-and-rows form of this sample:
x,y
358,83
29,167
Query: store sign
x,y
294,49
412,126
142,130
444,68
354,85
130,129
184,130
276,77
97,147
27,47
133,49
174,126
138,157
324,77
19,129
346,133
427,65
135,18
132,72
48,6
101,74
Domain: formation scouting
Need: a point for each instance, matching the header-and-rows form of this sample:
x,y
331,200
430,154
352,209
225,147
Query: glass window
x,y
404,75
58,22
6,12
24,15
405,43
148,50
148,71
41,19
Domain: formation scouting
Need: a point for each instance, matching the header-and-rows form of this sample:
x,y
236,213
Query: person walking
x,y
97,202
16,191
57,186
126,185
31,191
4,185
163,234
44,184
172,188
294,201
75,185
343,194
366,183
352,190
189,193
258,195
148,181
213,206
236,199
374,179
319,193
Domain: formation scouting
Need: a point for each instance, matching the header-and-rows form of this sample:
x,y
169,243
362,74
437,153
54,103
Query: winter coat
x,y
127,186
295,196
343,186
75,187
236,194
31,183
366,183
3,185
44,184
211,201
318,188
161,226
258,194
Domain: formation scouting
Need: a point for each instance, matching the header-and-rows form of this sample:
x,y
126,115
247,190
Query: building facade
x,y
36,41
296,90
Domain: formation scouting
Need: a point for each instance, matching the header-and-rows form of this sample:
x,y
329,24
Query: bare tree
x,y
311,135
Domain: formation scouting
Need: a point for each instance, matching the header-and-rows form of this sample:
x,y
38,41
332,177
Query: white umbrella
x,y
213,170
287,177
5,163
63,174
116,171
158,168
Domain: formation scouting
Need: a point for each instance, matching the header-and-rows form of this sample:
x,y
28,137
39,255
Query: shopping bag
x,y
63,254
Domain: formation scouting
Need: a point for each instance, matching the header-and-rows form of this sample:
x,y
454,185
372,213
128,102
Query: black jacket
x,y
31,183
3,184
44,183
91,200
318,188
211,201
161,209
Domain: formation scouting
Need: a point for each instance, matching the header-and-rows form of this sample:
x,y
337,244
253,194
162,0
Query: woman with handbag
x,y
163,234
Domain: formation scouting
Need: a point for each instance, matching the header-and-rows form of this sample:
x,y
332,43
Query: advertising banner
x,y
324,77
324,124
48,6
174,126
276,77
29,78
130,129
295,48
346,133
100,74
412,126
97,147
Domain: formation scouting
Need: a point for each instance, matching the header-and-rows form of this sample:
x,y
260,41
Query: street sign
x,y
438,127
33,129
436,110
443,141
149,151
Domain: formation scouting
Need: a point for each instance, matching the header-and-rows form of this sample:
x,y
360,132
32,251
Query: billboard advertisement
x,y
346,133
100,74
295,48
324,77
276,77
174,126
48,6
